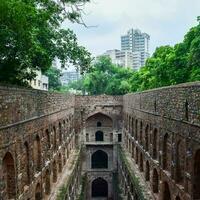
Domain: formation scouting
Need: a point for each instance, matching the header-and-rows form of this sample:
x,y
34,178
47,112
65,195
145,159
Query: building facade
x,y
142,146
121,58
69,76
137,42
40,82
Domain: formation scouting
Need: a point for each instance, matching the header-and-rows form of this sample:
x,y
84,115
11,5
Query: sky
x,y
166,21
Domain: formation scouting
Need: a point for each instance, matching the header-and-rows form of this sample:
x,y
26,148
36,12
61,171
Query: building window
x,y
99,136
98,124
87,137
119,137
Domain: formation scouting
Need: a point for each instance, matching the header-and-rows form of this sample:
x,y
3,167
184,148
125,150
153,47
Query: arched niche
x,y
99,159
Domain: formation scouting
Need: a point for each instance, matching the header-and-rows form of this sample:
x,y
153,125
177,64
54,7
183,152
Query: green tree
x,y
106,78
54,75
31,38
167,66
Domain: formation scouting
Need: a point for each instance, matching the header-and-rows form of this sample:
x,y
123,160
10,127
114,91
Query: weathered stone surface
x,y
160,130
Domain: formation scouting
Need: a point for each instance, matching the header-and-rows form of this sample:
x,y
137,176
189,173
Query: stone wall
x,y
36,140
39,132
161,132
179,102
99,114
17,105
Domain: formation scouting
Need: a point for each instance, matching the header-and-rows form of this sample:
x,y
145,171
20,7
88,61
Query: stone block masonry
x,y
36,140
160,132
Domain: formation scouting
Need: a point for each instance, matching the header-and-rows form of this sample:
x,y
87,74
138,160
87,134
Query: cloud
x,y
165,20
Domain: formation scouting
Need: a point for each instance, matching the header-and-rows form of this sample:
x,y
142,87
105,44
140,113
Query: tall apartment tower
x,y
138,43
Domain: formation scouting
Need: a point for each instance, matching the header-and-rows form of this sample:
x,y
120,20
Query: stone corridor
x,y
132,147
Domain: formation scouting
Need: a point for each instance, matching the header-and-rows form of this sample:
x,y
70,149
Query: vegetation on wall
x,y
32,38
74,175
134,179
117,188
167,66
84,180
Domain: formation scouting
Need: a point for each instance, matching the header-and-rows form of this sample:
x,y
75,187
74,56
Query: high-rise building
x,y
121,58
138,43
69,76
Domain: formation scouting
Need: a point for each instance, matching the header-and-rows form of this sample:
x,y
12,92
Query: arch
x,y
147,137
136,129
104,119
64,157
38,193
99,136
59,163
166,191
9,175
99,124
133,148
186,110
136,159
180,162
141,163
196,175
99,159
54,171
37,153
141,132
147,171
165,149
47,183
48,139
132,127
155,136
54,138
99,188
60,132
155,181
129,145
27,164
